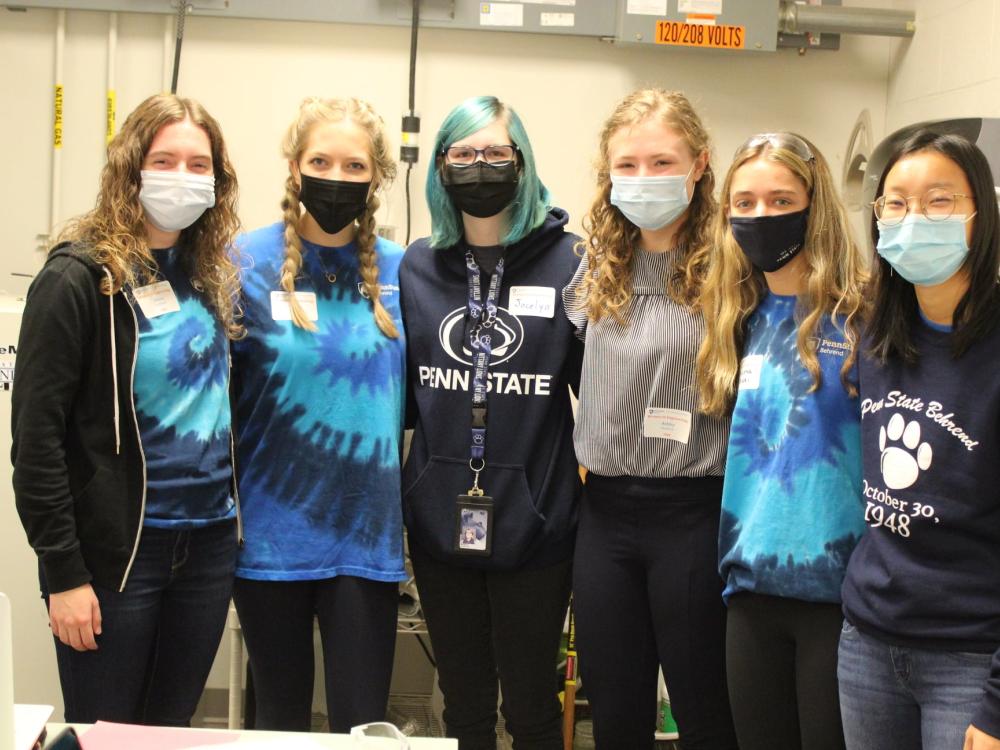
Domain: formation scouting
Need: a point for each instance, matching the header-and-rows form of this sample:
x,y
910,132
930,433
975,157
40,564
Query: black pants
x,y
647,593
489,625
357,625
781,656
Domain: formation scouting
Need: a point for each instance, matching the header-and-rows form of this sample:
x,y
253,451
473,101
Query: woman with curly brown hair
x,y
122,448
319,402
646,588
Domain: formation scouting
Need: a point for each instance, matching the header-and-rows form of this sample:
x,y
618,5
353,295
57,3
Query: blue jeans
x,y
906,698
159,636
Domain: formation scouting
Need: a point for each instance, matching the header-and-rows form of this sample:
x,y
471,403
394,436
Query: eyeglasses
x,y
936,205
786,141
464,156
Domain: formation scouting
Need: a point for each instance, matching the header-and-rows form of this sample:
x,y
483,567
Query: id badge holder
x,y
474,522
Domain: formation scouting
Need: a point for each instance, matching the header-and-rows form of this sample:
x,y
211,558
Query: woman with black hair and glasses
x,y
491,483
919,662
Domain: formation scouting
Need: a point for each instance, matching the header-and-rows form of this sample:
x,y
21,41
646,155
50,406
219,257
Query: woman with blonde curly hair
x,y
645,584
122,447
783,302
319,402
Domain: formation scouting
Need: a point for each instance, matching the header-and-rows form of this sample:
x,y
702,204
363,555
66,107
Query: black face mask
x,y
481,189
333,203
770,242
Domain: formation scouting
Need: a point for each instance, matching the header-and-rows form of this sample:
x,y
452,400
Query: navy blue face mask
x,y
770,242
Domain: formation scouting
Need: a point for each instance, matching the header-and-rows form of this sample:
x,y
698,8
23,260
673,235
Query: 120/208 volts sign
x,y
700,35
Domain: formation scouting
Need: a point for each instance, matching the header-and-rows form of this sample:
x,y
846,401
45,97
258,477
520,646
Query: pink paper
x,y
105,735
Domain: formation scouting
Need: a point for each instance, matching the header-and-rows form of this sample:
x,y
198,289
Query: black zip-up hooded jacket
x,y
531,470
79,471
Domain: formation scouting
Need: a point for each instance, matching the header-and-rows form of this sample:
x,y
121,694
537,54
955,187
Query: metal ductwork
x,y
795,18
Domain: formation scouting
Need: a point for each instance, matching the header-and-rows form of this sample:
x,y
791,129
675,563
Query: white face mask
x,y
651,202
175,200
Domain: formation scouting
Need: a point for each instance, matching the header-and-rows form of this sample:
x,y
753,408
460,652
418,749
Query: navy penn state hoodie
x,y
531,470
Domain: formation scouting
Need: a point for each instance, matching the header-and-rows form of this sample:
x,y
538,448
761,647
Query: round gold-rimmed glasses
x,y
937,205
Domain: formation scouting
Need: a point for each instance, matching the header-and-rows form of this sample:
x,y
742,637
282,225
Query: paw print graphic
x,y
902,464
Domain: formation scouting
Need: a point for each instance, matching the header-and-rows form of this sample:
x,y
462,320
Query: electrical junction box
x,y
713,24
719,24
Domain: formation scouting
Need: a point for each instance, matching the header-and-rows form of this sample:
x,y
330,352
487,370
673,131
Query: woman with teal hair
x,y
490,356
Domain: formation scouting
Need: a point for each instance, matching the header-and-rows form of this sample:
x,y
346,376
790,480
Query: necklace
x,y
331,276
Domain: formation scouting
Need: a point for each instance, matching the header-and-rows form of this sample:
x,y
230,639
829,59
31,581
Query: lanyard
x,y
482,315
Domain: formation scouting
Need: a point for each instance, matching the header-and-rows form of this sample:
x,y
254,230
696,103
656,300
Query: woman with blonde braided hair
x,y
319,400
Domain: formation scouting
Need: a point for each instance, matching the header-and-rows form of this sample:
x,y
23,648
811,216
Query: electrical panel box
x,y
708,24
713,24
593,18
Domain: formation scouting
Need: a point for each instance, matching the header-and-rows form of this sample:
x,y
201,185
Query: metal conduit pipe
x,y
818,19
111,95
55,187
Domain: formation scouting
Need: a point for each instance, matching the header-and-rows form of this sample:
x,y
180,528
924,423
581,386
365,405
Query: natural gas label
x,y
57,125
700,35
110,127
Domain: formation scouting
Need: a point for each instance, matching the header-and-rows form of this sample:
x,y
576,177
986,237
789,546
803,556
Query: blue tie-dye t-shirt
x,y
791,510
181,390
319,419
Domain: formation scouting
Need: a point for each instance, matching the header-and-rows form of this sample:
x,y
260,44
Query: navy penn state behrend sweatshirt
x,y
531,470
927,573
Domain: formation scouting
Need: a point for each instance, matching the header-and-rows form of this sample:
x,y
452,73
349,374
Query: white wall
x,y
251,75
951,67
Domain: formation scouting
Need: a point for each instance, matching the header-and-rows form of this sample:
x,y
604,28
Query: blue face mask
x,y
922,251
651,202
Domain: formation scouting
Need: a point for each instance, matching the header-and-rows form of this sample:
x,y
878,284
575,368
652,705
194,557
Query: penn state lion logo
x,y
507,336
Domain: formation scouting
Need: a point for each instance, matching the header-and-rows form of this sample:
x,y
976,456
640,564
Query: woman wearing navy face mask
x,y
491,481
783,302
919,662
318,383
645,584
121,423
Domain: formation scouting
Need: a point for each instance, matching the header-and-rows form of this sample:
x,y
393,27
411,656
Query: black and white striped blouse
x,y
638,401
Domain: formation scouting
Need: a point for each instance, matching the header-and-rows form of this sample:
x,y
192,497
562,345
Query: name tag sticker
x,y
750,369
281,308
539,301
156,299
670,424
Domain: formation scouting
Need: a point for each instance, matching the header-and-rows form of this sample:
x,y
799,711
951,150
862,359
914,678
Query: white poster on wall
x,y
501,14
557,19
646,7
700,6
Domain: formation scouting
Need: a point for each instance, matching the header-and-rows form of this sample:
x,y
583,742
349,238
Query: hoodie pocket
x,y
431,502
